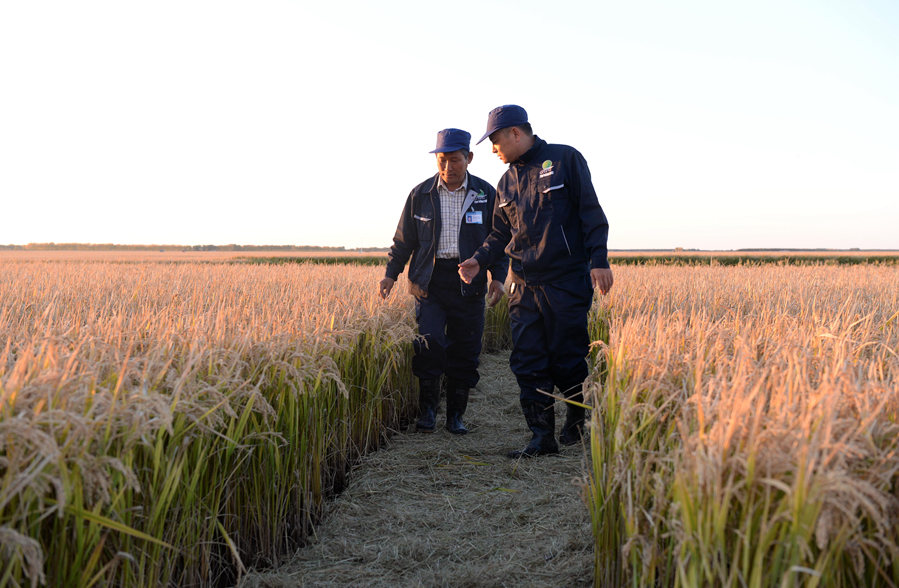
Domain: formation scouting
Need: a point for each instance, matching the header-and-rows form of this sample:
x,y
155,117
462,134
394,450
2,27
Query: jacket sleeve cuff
x,y
600,260
498,273
481,257
392,273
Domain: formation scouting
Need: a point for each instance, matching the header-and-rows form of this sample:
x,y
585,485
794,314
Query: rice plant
x,y
745,433
173,424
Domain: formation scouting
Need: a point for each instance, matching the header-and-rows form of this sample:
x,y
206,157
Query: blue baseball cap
x,y
503,117
449,140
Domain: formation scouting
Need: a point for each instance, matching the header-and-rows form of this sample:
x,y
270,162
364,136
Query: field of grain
x,y
746,432
177,423
172,424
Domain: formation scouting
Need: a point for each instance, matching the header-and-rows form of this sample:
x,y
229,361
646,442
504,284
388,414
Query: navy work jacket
x,y
419,229
547,217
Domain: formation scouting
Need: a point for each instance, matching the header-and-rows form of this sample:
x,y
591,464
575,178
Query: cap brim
x,y
493,130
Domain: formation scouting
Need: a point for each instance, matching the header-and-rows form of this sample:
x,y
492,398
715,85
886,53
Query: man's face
x,y
506,144
452,167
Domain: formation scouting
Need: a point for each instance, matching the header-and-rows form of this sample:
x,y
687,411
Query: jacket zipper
x,y
564,238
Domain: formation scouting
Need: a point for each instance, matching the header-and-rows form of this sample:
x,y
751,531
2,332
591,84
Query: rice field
x,y
745,431
177,423
172,424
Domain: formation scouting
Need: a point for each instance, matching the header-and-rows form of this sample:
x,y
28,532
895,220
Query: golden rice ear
x,y
24,551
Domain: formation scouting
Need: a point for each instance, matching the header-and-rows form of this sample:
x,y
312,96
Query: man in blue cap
x,y
445,219
549,222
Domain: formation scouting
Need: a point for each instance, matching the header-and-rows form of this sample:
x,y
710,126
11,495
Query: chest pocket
x,y
551,178
424,225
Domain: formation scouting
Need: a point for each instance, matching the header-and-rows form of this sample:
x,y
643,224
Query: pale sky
x,y
706,124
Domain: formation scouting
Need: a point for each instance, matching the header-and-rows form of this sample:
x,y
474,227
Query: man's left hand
x,y
602,279
495,291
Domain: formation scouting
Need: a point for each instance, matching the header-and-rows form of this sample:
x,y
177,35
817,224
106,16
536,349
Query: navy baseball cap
x,y
503,117
449,140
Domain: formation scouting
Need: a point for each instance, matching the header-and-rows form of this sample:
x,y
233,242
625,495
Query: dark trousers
x,y
549,335
451,325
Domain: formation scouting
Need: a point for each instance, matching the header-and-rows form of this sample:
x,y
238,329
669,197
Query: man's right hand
x,y
602,279
385,286
468,269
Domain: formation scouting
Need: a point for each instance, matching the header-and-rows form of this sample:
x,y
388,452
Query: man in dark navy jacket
x,y
549,222
444,220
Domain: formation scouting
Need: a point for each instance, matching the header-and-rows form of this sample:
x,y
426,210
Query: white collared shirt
x,y
450,218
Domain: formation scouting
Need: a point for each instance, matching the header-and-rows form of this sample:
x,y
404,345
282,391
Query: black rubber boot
x,y
456,403
573,429
541,419
428,399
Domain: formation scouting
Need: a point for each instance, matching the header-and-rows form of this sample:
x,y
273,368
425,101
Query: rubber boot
x,y
456,403
428,399
541,420
573,429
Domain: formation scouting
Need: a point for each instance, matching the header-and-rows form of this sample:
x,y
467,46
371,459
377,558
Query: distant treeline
x,y
651,259
747,259
319,260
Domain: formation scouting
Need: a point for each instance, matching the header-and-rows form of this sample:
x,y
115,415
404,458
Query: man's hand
x,y
495,291
468,269
602,279
385,286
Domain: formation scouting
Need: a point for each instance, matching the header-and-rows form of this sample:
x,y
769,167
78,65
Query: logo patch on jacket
x,y
547,169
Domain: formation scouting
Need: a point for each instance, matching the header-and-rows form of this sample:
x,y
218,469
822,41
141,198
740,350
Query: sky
x,y
705,124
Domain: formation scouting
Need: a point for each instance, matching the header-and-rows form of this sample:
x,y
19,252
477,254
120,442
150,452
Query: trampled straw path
x,y
444,510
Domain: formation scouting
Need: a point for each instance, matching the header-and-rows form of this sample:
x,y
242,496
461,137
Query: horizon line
x,y
338,248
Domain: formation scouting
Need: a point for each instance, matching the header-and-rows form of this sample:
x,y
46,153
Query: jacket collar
x,y
531,154
463,186
436,181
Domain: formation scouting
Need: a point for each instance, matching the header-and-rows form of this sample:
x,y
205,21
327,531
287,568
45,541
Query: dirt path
x,y
442,510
